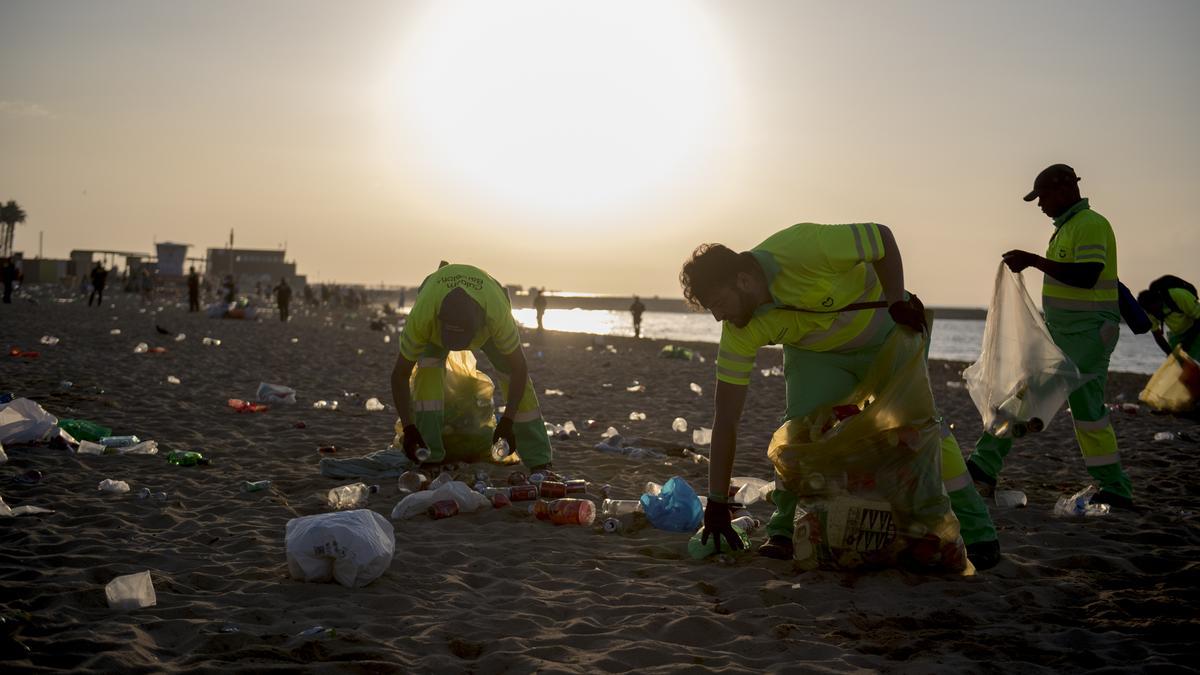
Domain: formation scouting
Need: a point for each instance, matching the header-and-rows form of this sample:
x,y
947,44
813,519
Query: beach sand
x,y
497,591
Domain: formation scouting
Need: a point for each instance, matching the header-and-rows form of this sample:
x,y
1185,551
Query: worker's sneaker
x,y
778,547
1112,499
985,485
984,554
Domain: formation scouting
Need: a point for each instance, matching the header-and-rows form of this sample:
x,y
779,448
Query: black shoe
x,y
984,554
985,485
778,547
1112,499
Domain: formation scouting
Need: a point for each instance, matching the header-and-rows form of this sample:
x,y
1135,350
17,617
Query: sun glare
x,y
563,106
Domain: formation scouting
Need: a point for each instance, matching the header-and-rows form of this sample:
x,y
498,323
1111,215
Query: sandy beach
x,y
498,591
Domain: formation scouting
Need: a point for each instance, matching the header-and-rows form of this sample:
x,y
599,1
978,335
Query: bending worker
x,y
461,307
824,272
1171,302
1080,301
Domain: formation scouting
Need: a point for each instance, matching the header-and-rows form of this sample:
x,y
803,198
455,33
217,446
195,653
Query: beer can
x,y
443,509
550,489
576,486
523,493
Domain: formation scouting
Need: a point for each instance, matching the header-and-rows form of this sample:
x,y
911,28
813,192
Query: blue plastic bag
x,y
676,508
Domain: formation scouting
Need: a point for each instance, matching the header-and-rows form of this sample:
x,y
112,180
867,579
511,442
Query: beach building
x,y
248,265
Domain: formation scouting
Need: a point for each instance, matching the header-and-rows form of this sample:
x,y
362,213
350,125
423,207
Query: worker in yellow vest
x,y
830,294
1171,302
1080,301
461,307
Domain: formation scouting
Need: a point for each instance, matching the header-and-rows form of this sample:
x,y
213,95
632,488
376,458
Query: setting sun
x,y
563,107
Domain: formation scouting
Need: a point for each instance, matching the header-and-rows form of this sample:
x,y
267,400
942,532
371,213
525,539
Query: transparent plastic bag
x,y
1022,378
869,485
352,547
469,417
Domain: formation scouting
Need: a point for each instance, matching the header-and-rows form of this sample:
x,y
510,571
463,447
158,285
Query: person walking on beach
x,y
461,307
821,292
1171,302
637,308
193,286
1080,302
539,303
283,297
99,279
8,275
228,290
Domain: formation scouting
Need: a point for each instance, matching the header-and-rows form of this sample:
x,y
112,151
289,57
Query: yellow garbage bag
x,y
469,415
1175,386
867,472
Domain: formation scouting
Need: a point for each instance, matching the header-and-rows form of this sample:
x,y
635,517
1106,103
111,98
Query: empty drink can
x,y
577,486
550,489
523,493
612,525
443,509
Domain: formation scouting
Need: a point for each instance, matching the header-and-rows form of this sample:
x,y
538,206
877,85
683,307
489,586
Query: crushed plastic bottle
x,y
701,436
351,496
620,507
500,450
679,424
49,340
374,405
1164,436
1080,504
695,456
188,458
120,441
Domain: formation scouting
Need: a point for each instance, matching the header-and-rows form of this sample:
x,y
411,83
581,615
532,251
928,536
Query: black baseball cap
x,y
1055,174
460,318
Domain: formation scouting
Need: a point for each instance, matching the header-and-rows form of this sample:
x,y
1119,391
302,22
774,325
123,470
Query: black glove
x,y
412,441
504,430
716,525
909,313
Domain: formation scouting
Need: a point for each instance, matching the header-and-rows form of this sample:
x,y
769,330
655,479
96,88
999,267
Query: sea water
x,y
953,339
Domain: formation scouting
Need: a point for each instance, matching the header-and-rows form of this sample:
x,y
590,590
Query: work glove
x,y
717,524
411,441
504,429
909,313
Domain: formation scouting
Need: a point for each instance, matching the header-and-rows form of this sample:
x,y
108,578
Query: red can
x,y
551,489
523,493
327,449
499,500
577,486
443,509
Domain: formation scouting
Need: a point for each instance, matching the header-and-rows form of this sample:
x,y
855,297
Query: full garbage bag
x,y
676,507
24,421
1022,378
1175,386
417,503
869,484
351,547
469,416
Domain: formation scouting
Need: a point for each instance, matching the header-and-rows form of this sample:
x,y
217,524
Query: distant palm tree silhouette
x,y
11,215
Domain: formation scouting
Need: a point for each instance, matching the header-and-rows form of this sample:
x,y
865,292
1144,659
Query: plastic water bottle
x,y
1080,504
119,441
500,450
351,496
620,507
694,456
411,481
566,511
186,458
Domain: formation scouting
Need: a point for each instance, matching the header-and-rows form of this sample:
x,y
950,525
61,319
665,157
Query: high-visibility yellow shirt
x,y
423,327
821,268
1082,236
1179,322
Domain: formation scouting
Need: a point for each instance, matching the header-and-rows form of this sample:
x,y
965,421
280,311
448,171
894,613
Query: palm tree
x,y
11,215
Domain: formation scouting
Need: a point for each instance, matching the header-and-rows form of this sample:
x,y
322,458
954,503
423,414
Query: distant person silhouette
x,y
193,284
99,279
228,289
637,308
9,275
283,296
539,303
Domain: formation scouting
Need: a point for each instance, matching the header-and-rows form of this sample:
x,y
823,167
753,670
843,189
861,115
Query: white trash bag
x,y
23,421
351,547
275,393
1021,378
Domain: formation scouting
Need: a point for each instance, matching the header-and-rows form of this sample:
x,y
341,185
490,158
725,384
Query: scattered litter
x,y
181,337
131,591
673,352
616,444
246,406
351,547
374,405
115,331
674,508
325,405
1011,499
695,456
1164,436
49,340
7,511
1080,504
275,393
562,432
554,392
773,371
636,387
701,436
610,432
113,486
210,342
637,416
171,379
679,424
697,389
141,348
954,384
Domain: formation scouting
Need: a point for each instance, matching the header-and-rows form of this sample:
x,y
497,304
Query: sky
x,y
590,146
